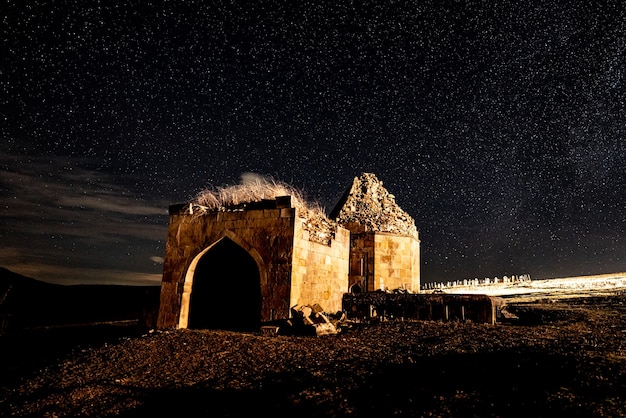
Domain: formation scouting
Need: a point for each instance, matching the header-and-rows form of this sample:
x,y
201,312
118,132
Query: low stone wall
x,y
418,306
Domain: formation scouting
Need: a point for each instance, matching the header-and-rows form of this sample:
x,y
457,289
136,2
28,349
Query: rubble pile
x,y
320,228
307,320
369,205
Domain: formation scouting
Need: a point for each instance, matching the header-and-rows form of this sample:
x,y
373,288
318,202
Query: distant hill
x,y
27,304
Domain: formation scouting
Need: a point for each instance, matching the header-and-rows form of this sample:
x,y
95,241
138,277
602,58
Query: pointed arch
x,y
222,286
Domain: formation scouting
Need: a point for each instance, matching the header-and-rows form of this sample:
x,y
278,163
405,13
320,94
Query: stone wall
x,y
380,261
266,234
396,262
320,271
411,306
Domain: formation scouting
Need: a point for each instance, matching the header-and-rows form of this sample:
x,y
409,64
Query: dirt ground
x,y
557,358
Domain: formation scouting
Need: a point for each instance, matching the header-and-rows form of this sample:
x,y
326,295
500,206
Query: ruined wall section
x,y
320,263
380,261
385,247
267,234
396,262
481,309
368,206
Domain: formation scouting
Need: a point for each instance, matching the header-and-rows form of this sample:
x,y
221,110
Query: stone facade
x,y
320,270
383,261
265,235
239,267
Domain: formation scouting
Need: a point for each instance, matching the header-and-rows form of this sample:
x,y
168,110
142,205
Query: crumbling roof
x,y
258,192
254,191
369,205
365,206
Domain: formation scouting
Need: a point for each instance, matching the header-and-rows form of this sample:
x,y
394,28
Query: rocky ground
x,y
559,358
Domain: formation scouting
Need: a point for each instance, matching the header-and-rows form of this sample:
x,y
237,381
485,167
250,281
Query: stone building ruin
x,y
237,266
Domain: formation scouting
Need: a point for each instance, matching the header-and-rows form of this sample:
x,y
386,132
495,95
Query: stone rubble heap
x,y
369,205
321,229
307,320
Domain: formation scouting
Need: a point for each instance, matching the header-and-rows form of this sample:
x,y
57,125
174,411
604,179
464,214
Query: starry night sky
x,y
500,127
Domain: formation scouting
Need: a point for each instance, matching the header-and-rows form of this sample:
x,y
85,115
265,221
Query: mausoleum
x,y
235,261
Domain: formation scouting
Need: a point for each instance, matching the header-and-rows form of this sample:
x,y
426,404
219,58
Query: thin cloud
x,y
76,275
77,217
109,203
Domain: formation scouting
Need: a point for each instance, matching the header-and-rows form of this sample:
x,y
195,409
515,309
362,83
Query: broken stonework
x,y
311,320
277,251
368,206
320,228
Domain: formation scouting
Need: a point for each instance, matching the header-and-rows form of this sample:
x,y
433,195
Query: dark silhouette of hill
x,y
40,321
28,304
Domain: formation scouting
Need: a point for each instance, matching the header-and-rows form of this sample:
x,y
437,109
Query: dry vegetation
x,y
253,188
560,358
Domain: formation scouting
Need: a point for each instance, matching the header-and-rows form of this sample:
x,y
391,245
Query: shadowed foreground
x,y
563,358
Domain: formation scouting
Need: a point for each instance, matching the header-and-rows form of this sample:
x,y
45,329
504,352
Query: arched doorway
x,y
226,291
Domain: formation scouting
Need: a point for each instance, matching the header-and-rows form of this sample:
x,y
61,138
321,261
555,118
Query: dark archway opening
x,y
226,292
